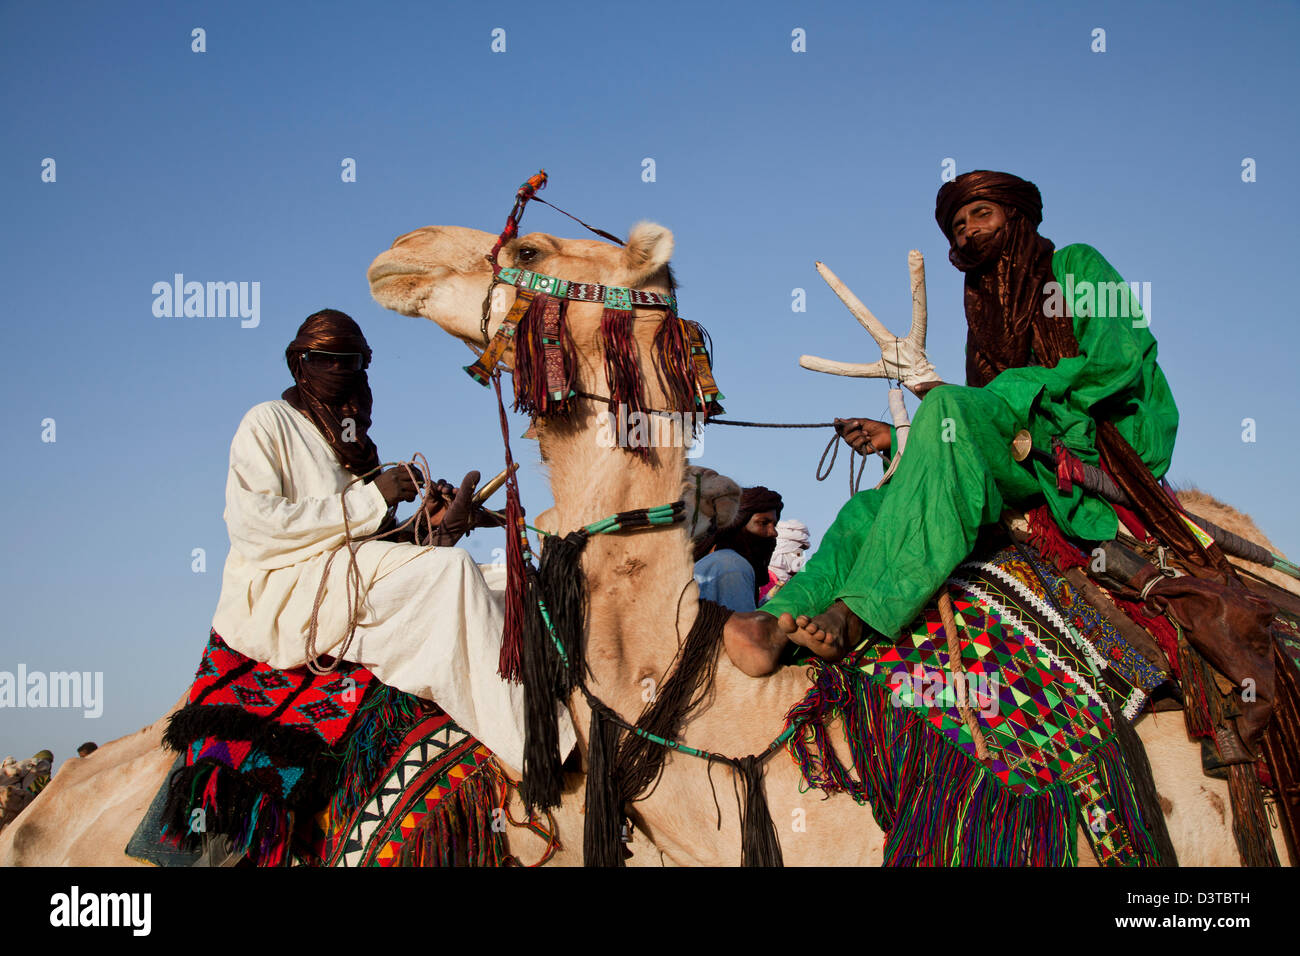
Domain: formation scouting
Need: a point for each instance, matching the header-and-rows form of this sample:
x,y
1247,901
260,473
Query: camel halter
x,y
544,366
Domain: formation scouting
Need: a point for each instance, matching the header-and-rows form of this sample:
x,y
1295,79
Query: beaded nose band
x,y
544,365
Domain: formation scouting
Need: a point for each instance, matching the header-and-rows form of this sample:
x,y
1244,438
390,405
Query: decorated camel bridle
x,y
545,378
544,366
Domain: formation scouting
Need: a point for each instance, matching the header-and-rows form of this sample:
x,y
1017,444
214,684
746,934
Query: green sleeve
x,y
893,443
816,587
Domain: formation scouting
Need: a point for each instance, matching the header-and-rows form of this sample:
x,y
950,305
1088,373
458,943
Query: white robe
x,y
430,625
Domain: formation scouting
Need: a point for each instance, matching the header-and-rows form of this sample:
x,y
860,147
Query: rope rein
x,y
353,577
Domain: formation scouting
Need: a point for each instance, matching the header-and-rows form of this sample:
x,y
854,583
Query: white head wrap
x,y
792,540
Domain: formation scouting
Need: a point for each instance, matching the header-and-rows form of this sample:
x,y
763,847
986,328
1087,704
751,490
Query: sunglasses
x,y
354,361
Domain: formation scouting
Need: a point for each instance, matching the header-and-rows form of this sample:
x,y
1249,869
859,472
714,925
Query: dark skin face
x,y
980,217
762,524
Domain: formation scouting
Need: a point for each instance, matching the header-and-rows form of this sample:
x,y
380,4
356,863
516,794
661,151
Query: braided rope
x,y
958,670
353,578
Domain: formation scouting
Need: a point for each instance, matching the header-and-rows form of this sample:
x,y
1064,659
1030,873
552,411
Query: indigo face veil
x,y
331,396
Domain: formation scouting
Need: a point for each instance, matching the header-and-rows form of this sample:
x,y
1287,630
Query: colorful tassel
x,y
545,368
936,805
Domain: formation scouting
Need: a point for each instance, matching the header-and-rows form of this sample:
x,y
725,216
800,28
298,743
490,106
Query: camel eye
x,y
527,254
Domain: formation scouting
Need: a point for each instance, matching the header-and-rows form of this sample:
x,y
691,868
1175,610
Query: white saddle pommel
x,y
902,359
902,424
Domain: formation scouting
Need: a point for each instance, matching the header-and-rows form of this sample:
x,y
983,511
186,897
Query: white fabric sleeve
x,y
269,530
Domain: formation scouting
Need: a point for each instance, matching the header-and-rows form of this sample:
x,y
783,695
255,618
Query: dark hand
x,y
457,518
924,387
396,484
440,496
864,435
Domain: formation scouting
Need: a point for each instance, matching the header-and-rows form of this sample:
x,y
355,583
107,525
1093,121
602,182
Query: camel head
x,y
589,329
442,273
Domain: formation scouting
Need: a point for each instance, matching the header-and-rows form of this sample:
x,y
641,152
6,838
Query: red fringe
x,y
1159,627
673,363
544,370
1196,702
512,646
1048,540
621,370
510,662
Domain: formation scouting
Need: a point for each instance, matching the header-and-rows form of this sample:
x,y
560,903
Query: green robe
x,y
890,549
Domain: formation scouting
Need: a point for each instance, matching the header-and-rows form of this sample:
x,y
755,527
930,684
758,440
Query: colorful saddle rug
x,y
1043,670
437,802
265,751
257,746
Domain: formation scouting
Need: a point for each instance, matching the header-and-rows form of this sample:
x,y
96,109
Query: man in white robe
x,y
427,624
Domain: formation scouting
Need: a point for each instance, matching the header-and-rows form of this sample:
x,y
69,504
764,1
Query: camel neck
x,y
635,580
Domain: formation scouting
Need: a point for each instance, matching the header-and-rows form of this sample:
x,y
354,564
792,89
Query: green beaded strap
x,y
625,521
612,297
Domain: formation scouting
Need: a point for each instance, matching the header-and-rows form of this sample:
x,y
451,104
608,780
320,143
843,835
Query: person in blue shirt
x,y
731,564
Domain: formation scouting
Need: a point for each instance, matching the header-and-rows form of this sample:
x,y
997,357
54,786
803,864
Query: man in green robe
x,y
891,548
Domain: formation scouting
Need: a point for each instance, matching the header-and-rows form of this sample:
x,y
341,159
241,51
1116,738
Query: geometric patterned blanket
x,y
257,744
432,805
1034,681
333,769
1042,669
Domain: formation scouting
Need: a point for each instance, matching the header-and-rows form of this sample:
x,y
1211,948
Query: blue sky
x,y
225,166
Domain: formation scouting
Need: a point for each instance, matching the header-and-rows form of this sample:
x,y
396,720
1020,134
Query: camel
x,y
88,812
91,807
635,582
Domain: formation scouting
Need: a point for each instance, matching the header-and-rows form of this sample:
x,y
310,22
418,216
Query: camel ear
x,y
649,248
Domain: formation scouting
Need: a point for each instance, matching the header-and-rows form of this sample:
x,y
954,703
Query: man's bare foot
x,y
753,642
830,635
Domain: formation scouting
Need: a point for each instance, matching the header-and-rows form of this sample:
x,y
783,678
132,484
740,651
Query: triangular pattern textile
x,y
1034,684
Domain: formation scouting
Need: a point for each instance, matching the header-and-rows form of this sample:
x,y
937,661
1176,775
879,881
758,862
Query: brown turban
x,y
755,549
756,500
1010,192
329,397
1005,275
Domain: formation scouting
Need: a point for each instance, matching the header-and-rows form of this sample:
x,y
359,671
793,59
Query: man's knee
x,y
941,401
950,411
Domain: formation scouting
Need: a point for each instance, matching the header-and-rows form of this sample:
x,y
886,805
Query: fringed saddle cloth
x,y
1044,670
265,751
431,804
